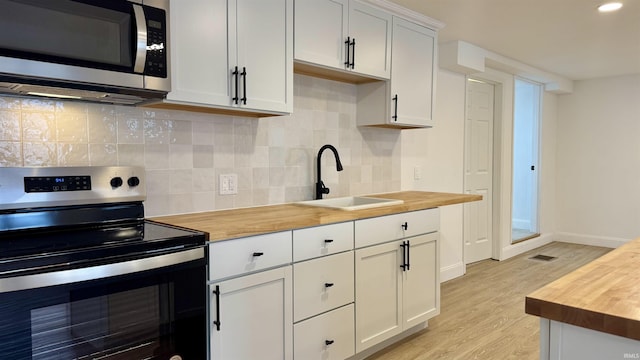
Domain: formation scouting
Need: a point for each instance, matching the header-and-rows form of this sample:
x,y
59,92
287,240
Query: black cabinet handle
x,y
405,226
256,254
244,85
328,342
235,75
328,241
395,108
353,54
217,321
408,255
347,45
533,168
328,285
404,256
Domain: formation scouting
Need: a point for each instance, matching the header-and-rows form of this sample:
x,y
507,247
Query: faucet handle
x,y
323,189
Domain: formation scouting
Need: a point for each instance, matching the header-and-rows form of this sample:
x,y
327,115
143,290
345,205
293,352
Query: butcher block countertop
x,y
603,295
236,223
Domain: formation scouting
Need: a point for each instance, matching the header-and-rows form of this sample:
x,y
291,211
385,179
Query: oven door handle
x,y
34,281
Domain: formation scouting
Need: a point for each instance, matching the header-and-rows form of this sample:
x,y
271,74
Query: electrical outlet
x,y
417,172
228,184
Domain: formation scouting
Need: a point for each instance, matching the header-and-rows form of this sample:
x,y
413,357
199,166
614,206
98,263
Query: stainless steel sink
x,y
352,202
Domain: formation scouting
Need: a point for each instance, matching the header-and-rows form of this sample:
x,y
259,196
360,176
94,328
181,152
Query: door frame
x,y
503,165
535,152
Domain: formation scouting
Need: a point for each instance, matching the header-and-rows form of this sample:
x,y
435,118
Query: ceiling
x,y
565,37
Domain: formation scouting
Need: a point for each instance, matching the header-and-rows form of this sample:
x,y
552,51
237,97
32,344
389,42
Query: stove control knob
x,y
133,181
116,182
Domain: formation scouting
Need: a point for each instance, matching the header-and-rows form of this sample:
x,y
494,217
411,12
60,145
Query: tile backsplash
x,y
185,152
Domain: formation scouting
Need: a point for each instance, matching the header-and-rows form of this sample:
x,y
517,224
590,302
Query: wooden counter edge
x,y
413,200
538,303
606,323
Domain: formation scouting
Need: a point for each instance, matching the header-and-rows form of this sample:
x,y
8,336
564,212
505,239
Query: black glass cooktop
x,y
48,249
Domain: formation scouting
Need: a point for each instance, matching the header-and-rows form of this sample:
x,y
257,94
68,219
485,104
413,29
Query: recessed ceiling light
x,y
612,6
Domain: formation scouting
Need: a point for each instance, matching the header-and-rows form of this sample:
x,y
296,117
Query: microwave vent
x,y
69,93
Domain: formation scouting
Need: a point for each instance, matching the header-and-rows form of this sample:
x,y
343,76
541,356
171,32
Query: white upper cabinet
x,y
343,35
412,73
406,101
233,55
199,73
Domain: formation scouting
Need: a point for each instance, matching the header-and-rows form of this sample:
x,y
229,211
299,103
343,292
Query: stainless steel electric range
x,y
83,275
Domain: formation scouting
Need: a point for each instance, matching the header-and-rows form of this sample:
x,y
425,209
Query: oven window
x,y
155,314
125,323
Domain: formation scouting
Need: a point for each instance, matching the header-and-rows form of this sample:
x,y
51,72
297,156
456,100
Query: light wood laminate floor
x,y
482,313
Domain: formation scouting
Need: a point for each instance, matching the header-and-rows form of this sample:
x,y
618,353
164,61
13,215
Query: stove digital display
x,y
56,183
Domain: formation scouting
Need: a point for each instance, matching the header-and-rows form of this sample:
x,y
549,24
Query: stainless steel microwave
x,y
112,51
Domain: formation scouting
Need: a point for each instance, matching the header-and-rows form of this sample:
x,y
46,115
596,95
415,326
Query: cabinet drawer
x,y
392,227
328,336
239,256
322,240
322,284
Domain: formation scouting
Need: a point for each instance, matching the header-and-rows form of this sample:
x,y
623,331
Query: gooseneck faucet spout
x,y
320,188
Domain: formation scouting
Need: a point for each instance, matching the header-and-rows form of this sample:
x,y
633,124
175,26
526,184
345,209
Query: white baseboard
x,y
592,240
451,272
524,246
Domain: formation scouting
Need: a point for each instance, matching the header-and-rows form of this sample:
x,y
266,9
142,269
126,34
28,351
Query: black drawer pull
x,y
408,255
256,254
244,85
235,75
328,241
328,285
217,321
395,108
405,226
405,250
328,342
347,44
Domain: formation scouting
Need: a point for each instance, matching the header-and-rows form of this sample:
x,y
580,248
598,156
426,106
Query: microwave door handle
x,y
141,42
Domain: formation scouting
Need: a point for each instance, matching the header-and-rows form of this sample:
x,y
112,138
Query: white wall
x,y
598,162
439,153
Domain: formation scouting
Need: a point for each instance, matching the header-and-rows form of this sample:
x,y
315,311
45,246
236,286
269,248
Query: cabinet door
x,y
378,294
255,315
412,74
371,30
420,282
199,59
264,46
321,29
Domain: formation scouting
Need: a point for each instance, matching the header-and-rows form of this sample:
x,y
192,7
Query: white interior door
x,y
478,170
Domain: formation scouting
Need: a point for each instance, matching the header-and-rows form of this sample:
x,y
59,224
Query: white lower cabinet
x,y
252,317
323,292
397,282
396,288
328,336
562,341
307,294
251,298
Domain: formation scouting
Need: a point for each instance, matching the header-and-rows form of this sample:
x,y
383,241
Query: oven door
x,y
151,308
